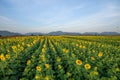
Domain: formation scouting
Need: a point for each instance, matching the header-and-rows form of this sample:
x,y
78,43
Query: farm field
x,y
60,58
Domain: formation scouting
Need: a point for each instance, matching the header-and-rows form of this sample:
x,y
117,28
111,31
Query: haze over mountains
x,y
8,33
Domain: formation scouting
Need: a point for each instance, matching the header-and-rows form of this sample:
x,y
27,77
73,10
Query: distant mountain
x,y
63,33
7,33
109,33
56,33
86,33
91,33
102,33
34,33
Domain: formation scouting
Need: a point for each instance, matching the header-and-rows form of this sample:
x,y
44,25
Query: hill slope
x,y
7,33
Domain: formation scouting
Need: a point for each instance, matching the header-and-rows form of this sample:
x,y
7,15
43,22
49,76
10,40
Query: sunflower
x,y
44,46
92,58
18,45
28,62
2,57
8,56
37,77
87,66
28,45
83,47
96,73
14,47
59,66
21,48
58,59
43,50
63,50
73,55
66,51
47,78
78,62
68,74
47,66
38,68
34,41
100,54
77,45
43,59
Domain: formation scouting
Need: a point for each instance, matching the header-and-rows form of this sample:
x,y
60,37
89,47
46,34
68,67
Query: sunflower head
x,y
78,62
73,55
43,50
14,47
28,62
2,57
28,45
100,54
47,78
38,68
47,66
87,66
92,58
68,74
37,77
58,59
59,66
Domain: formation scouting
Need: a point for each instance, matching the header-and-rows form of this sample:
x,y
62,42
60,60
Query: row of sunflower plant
x,y
60,58
16,52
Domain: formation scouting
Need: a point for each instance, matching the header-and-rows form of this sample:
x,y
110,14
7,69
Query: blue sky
x,y
60,15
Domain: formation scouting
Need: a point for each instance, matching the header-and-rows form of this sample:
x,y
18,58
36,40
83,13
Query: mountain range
x,y
8,33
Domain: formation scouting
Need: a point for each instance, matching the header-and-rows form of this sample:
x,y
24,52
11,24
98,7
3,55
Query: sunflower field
x,y
60,58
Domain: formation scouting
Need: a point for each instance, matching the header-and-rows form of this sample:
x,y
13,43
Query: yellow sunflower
x,y
28,45
47,78
43,50
87,66
28,62
78,62
47,66
14,47
59,66
58,59
96,73
68,74
2,57
100,54
8,56
38,68
37,77
92,58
